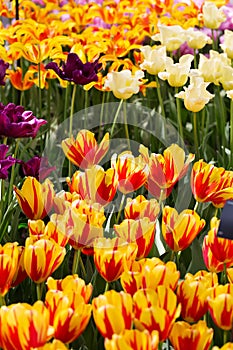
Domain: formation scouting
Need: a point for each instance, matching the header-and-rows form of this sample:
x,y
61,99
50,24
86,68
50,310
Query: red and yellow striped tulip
x,y
95,184
69,314
20,273
24,326
211,184
35,199
71,283
221,248
63,201
193,337
133,339
112,312
179,230
84,151
132,171
18,81
165,170
113,256
140,207
141,231
156,310
9,254
42,258
220,306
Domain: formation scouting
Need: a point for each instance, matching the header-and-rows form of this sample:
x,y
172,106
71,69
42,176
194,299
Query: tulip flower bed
x,y
116,163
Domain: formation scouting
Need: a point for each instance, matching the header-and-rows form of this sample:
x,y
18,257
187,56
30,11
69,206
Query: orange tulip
x,y
112,312
84,151
140,207
35,199
18,81
211,184
179,230
9,254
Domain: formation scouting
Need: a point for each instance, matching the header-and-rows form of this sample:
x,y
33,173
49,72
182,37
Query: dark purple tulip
x,y
75,70
16,122
37,167
5,162
3,68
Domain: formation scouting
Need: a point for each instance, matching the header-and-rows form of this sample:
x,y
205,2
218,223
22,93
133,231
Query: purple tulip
x,y
16,122
3,68
5,162
75,70
37,167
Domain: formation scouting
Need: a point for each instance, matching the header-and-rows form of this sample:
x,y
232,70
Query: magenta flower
x,y
5,162
37,167
3,68
75,70
16,122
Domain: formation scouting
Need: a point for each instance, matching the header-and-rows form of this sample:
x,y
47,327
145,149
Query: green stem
x,y
225,336
195,59
179,117
83,268
106,287
214,44
48,105
71,121
39,288
10,188
231,134
161,198
2,300
40,99
116,115
196,206
86,104
126,124
101,115
196,142
66,101
160,96
77,254
120,208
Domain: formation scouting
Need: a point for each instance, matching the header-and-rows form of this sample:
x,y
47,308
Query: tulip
x,y
211,184
154,59
74,70
141,231
113,256
197,39
63,200
37,167
16,122
20,273
3,67
132,171
165,170
226,79
95,184
24,326
179,230
84,151
35,199
55,345
112,312
196,336
123,84
19,81
140,207
212,16
227,346
226,46
9,263
177,73
170,36
195,96
133,340
42,258
156,310
5,161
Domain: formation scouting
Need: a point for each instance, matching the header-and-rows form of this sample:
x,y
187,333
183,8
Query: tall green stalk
x,y
195,135
158,88
179,116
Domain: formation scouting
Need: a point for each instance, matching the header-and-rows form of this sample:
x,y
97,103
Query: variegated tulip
x,y
140,207
124,84
20,273
156,310
34,198
9,254
84,150
179,230
172,36
42,258
221,248
24,326
220,306
133,339
165,170
186,336
95,184
195,96
113,256
141,231
177,73
69,314
227,40
63,201
71,283
112,312
154,59
211,184
132,171
212,15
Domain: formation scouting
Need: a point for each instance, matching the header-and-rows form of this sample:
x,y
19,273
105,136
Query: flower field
x,y
116,175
